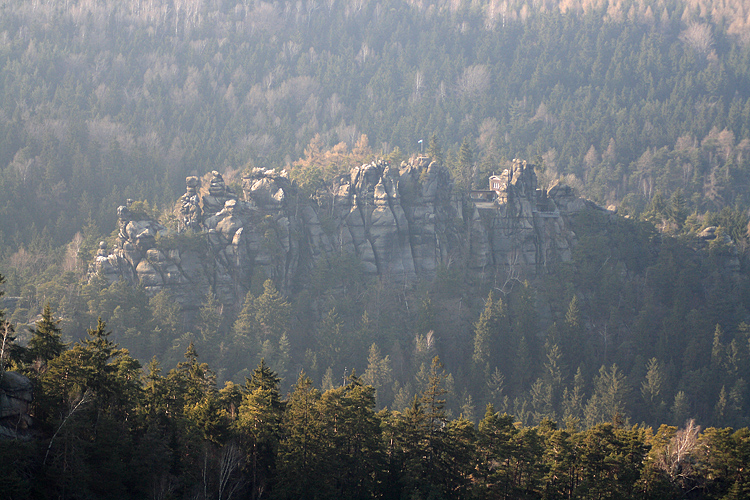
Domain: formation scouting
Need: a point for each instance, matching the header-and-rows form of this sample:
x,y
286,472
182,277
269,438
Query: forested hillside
x,y
103,101
639,106
105,428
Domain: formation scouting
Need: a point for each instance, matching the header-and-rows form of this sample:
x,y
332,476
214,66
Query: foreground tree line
x,y
105,427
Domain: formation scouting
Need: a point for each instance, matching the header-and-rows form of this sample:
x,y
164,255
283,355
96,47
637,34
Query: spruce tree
x,y
259,425
434,151
301,470
466,164
46,339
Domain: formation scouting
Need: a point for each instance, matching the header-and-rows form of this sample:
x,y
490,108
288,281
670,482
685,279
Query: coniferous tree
x,y
680,410
46,340
609,401
301,471
652,388
495,444
434,151
573,400
486,332
10,352
572,333
437,447
379,373
259,422
272,313
554,372
465,172
165,318
352,435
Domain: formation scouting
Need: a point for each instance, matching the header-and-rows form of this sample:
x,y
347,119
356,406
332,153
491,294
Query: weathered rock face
x,y
524,229
398,222
401,222
15,397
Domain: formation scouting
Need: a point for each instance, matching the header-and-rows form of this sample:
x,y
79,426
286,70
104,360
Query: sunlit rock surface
x,y
401,222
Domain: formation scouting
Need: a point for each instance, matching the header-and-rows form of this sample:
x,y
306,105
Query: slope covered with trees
x,y
644,105
106,428
103,101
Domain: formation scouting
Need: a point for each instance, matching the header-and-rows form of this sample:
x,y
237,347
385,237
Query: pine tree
x,y
301,470
209,320
572,341
553,366
717,350
7,336
482,339
433,404
573,400
46,339
651,389
331,339
283,356
272,313
495,447
379,373
165,319
245,329
678,207
434,151
495,389
680,411
522,366
542,401
352,431
610,398
260,416
100,350
192,381
465,174
155,401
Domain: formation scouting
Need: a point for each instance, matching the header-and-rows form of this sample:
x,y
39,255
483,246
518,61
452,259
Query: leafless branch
x,y
231,460
512,275
84,399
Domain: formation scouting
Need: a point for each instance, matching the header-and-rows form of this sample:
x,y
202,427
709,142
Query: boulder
x,y
16,395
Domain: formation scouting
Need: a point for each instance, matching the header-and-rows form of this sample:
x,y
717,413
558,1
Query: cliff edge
x,y
400,222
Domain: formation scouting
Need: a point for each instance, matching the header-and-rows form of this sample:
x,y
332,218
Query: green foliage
x,y
45,343
141,210
660,127
178,433
186,241
434,150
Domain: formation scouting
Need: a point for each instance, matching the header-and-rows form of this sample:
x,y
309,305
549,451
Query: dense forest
x,y
103,101
116,431
594,378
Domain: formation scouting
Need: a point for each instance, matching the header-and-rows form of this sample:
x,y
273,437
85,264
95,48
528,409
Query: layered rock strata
x,y
400,222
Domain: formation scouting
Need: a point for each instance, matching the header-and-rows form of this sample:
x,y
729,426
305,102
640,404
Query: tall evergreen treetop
x,y
46,339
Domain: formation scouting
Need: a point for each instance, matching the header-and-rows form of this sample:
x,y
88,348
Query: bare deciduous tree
x,y
231,461
475,81
698,36
675,457
85,398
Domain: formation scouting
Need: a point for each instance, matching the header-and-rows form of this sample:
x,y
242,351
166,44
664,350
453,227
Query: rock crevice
x,y
400,222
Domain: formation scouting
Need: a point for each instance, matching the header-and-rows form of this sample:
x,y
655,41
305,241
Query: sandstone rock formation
x,y
524,228
401,222
15,397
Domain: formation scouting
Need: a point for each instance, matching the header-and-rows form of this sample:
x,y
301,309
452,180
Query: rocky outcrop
x,y
16,395
524,229
400,221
